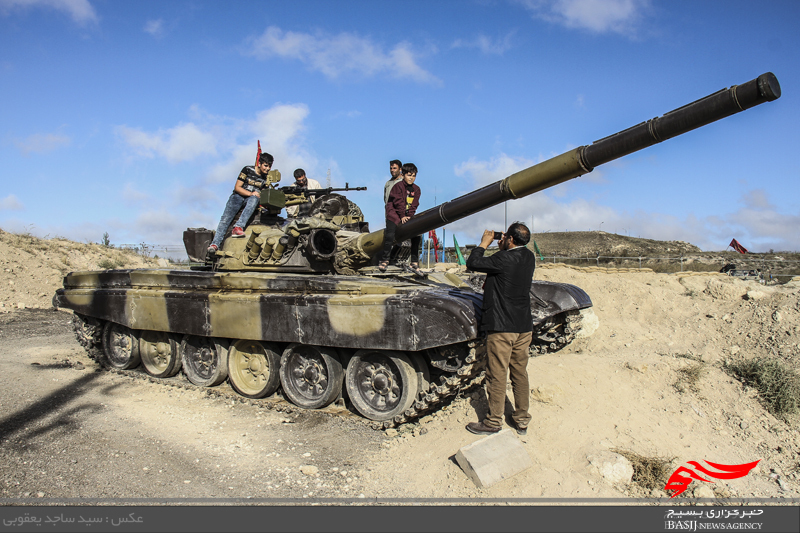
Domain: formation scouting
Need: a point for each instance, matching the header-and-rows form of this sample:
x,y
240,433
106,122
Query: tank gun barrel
x,y
584,159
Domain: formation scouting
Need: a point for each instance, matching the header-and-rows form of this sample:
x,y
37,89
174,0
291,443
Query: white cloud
x,y
154,27
11,203
159,226
181,143
280,130
481,173
346,114
756,199
485,44
41,142
197,196
762,229
597,16
81,11
340,54
131,195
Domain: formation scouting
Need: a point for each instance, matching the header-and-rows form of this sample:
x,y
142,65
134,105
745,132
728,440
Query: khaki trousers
x,y
507,351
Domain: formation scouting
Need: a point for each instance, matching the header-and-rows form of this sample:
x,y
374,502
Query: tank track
x,y
550,337
556,333
448,386
470,373
88,331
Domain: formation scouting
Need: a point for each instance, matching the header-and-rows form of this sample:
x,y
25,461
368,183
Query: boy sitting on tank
x,y
247,192
401,207
300,180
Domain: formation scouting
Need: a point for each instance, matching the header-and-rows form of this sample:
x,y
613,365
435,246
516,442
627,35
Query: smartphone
x,y
498,235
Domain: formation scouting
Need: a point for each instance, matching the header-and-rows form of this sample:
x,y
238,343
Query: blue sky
x,y
134,118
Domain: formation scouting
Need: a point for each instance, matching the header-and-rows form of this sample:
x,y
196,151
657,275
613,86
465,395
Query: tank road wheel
x,y
381,384
159,352
253,368
311,376
120,347
205,360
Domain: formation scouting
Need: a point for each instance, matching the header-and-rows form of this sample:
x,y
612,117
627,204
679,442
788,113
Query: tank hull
x,y
405,344
342,312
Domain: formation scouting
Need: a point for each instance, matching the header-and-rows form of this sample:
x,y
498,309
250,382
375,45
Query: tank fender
x,y
549,298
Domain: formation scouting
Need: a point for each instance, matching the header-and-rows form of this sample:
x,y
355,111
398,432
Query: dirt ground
x,y
71,430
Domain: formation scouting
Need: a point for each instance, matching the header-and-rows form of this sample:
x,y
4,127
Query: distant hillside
x,y
592,243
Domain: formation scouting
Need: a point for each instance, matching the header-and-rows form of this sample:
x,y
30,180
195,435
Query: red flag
x,y
432,236
258,155
738,247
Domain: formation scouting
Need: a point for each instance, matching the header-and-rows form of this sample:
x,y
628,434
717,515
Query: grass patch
x,y
648,472
778,385
689,377
110,264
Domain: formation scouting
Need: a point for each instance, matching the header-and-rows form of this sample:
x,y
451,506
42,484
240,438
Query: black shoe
x,y
521,430
413,268
479,428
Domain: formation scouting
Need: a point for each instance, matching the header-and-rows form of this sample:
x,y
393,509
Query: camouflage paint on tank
x,y
345,312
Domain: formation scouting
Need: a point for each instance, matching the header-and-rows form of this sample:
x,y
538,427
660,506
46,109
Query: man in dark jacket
x,y
507,323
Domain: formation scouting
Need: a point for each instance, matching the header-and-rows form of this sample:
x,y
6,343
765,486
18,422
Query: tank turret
x,y
272,243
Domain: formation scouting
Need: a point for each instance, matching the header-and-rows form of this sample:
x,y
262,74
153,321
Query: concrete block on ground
x,y
493,458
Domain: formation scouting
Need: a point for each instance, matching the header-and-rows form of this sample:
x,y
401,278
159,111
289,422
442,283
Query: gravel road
x,y
71,430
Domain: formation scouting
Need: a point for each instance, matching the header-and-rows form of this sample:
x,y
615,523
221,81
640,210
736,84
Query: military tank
x,y
297,304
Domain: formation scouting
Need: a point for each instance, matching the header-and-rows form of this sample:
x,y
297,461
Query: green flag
x,y
458,251
541,257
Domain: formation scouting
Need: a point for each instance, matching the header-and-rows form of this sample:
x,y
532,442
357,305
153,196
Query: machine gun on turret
x,y
275,199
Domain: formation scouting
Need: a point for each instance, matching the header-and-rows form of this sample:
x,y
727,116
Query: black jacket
x,y
507,292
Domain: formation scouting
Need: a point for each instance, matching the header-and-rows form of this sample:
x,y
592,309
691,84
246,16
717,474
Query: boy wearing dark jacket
x,y
400,208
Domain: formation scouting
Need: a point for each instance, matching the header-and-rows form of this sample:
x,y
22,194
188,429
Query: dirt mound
x,y
651,383
31,269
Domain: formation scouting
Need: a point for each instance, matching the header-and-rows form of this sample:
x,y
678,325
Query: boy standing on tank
x,y
400,208
247,192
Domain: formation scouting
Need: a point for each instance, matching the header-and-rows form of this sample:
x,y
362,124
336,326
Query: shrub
x,y
110,264
778,385
648,472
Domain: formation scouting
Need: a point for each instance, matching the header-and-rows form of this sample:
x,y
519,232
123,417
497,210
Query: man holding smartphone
x,y
507,323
